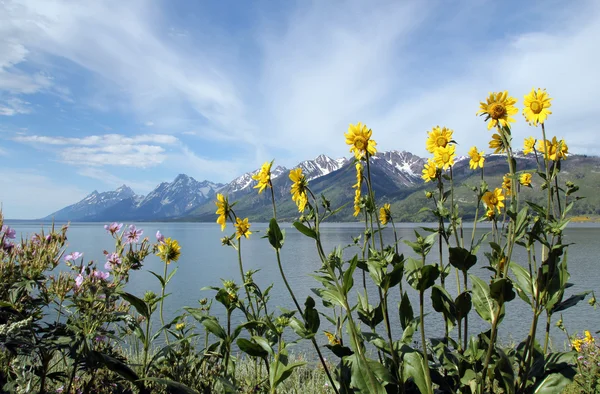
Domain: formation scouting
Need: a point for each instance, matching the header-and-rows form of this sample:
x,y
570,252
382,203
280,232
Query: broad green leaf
x,y
264,344
275,235
363,378
413,368
405,311
140,305
484,304
569,302
311,315
502,291
461,258
443,303
213,326
555,382
305,230
251,348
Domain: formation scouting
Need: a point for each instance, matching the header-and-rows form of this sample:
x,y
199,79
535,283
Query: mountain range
x,y
395,176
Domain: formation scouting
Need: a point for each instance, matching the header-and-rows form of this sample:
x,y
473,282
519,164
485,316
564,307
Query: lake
x,y
204,261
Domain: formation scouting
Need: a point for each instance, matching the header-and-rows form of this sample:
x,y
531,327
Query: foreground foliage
x,y
62,330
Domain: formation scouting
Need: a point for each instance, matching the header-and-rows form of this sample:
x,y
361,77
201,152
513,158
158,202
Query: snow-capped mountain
x,y
173,199
404,167
94,204
321,165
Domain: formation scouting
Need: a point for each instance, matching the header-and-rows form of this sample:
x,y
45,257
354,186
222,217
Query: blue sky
x,y
94,94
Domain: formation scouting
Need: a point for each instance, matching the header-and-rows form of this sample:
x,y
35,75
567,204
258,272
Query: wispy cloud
x,y
140,151
13,106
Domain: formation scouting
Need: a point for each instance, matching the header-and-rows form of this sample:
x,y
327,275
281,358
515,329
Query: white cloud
x,y
140,67
139,151
149,124
32,196
13,106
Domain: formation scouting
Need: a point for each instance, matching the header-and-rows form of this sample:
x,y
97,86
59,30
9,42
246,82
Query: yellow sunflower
x,y
263,177
588,337
242,228
561,148
577,343
444,157
477,158
169,250
536,106
429,171
438,138
359,139
528,145
554,150
298,188
497,144
385,215
490,214
498,109
525,179
223,210
494,200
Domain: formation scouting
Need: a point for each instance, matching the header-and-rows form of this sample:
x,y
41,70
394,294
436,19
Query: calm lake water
x,y
204,262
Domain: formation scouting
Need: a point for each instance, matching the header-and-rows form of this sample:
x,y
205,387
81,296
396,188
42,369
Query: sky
x,y
96,94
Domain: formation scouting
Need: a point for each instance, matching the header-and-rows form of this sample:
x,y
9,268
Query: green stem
x,y
424,343
488,356
548,188
162,301
547,337
239,249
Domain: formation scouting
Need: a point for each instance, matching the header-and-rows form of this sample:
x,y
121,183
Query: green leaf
x,y
159,277
140,305
413,368
284,371
505,373
116,366
305,230
484,304
461,258
443,303
463,304
174,387
569,302
311,315
555,382
214,327
171,274
251,348
405,311
275,235
348,275
363,378
262,342
502,291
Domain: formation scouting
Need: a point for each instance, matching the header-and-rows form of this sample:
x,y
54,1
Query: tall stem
x,y
239,249
424,343
162,301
